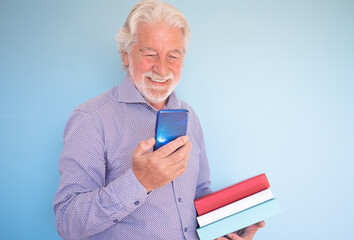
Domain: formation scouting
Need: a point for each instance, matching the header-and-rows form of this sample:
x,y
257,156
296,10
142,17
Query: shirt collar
x,y
128,93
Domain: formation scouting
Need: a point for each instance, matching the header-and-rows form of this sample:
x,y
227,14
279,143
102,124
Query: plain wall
x,y
271,81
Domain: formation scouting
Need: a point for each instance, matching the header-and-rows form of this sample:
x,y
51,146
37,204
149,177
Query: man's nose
x,y
161,67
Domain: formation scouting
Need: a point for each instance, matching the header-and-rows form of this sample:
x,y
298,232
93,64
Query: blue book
x,y
239,220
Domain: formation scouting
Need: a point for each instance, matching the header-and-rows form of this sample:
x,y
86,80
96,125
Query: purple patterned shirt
x,y
99,196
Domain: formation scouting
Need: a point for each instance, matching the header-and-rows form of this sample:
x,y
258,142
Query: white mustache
x,y
157,77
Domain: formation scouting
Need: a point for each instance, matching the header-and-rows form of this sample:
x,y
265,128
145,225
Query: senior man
x,y
113,186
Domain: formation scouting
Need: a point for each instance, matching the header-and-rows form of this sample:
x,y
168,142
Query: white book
x,y
234,207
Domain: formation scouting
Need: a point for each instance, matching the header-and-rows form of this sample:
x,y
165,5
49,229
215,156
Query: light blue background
x,y
271,81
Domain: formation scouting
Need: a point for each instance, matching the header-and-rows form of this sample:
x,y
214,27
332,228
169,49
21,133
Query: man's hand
x,y
244,234
156,169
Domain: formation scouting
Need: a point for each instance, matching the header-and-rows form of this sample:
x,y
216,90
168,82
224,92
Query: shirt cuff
x,y
130,192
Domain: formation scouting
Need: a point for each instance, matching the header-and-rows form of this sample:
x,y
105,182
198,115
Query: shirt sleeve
x,y
203,184
84,205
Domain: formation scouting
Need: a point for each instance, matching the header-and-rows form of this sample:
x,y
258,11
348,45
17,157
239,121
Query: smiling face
x,y
155,61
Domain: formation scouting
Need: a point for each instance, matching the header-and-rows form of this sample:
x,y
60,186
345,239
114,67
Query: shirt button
x,y
186,229
137,203
115,221
179,199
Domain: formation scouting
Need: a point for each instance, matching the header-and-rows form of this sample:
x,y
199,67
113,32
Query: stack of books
x,y
235,207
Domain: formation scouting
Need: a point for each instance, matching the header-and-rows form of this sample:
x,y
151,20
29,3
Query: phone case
x,y
170,124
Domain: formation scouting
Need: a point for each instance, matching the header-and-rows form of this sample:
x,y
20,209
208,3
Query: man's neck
x,y
158,106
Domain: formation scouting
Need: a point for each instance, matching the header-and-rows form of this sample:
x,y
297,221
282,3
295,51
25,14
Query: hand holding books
x,y
235,207
245,233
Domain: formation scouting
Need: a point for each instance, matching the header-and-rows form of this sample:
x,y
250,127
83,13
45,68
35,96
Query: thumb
x,y
143,147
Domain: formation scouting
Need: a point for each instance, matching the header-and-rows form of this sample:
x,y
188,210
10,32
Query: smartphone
x,y
170,124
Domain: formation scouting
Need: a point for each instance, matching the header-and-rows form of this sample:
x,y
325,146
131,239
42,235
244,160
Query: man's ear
x,y
125,58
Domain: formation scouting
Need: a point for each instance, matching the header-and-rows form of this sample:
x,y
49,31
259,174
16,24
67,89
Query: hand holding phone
x,y
157,168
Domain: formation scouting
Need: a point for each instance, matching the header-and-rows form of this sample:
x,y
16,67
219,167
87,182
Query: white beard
x,y
144,90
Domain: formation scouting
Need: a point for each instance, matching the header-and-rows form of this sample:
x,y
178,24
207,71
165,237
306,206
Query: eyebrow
x,y
142,50
177,51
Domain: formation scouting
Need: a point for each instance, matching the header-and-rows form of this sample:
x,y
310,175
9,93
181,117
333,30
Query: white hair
x,y
150,11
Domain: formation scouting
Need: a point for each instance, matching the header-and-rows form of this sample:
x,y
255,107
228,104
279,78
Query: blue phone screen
x,y
170,124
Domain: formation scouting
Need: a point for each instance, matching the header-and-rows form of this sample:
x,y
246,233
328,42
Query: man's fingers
x,y
143,147
249,232
260,224
176,162
181,155
169,148
234,236
157,168
245,233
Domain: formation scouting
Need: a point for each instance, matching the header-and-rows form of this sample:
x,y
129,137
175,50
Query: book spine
x,y
231,194
235,207
239,220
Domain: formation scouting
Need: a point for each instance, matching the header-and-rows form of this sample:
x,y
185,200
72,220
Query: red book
x,y
231,194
